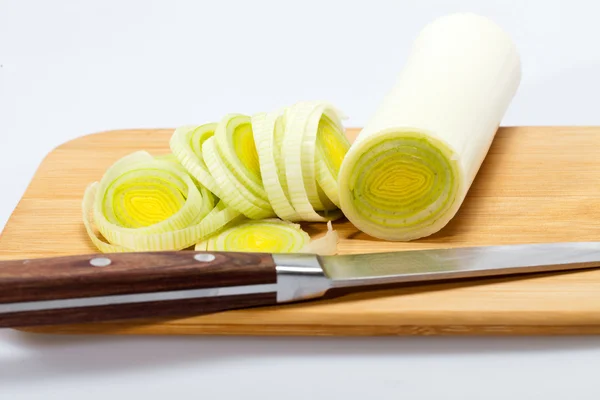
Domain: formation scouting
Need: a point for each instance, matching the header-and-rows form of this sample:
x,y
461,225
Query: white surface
x,y
71,68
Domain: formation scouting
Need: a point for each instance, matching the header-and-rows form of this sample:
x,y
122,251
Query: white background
x,y
69,68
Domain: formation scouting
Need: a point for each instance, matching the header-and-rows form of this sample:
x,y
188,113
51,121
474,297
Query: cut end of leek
x,y
269,236
400,185
186,146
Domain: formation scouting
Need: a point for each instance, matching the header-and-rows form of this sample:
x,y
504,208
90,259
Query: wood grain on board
x,y
537,184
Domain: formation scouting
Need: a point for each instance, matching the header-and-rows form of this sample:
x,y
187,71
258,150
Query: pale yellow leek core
x,y
145,200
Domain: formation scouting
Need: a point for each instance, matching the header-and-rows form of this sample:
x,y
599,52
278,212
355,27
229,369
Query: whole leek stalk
x,y
410,168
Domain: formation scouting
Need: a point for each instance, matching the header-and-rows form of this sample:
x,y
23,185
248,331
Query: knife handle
x,y
101,287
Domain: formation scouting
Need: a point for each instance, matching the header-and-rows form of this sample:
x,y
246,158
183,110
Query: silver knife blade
x,y
454,263
305,276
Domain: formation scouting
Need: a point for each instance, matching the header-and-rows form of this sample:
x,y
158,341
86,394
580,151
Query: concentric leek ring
x,y
268,235
332,146
144,203
400,185
233,192
234,142
232,160
269,129
186,145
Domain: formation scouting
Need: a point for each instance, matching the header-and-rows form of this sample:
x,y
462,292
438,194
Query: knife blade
x,y
109,287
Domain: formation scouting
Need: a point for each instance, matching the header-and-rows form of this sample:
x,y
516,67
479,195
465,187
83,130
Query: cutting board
x,y
537,184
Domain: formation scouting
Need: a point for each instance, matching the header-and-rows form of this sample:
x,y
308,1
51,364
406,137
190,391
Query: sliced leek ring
x,y
269,236
299,147
234,193
89,198
398,185
186,145
144,203
234,142
268,133
232,160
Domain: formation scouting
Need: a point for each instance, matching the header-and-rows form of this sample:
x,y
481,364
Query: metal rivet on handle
x,y
204,257
100,262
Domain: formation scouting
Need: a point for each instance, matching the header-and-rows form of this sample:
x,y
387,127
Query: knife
x,y
105,287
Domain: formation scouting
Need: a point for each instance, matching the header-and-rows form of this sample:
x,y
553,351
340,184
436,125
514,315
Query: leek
x,y
146,203
282,164
410,168
299,154
300,150
269,129
232,160
331,148
186,145
270,236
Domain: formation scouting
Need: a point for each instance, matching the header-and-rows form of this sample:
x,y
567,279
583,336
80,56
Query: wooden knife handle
x,y
101,287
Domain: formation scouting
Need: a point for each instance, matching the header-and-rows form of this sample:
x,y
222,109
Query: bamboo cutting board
x,y
537,184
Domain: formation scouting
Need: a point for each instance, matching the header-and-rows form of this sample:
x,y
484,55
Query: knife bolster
x,y
299,277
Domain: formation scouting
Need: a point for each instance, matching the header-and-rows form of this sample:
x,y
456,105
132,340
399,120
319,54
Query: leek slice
x,y
88,206
332,146
268,133
232,160
234,193
267,235
409,170
299,148
144,203
186,145
270,236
